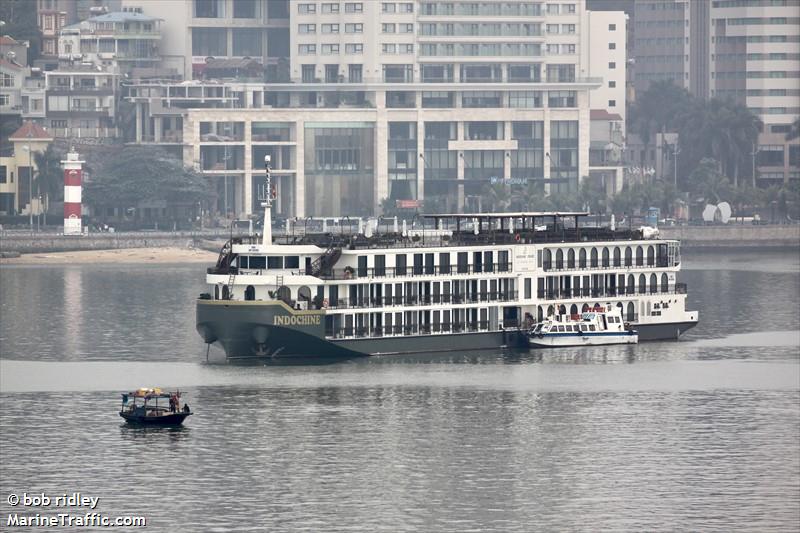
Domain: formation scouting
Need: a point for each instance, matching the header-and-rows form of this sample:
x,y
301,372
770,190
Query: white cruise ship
x,y
478,281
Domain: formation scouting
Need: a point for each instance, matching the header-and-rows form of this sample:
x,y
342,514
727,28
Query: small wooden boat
x,y
598,326
141,407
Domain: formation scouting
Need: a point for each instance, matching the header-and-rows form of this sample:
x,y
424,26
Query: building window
x,y
570,8
354,28
523,99
398,73
552,9
612,65
612,46
305,9
330,8
562,99
388,7
354,7
612,84
388,28
354,48
355,73
406,48
406,28
308,73
307,28
306,49
612,103
612,27
407,7
389,48
552,28
330,49
330,28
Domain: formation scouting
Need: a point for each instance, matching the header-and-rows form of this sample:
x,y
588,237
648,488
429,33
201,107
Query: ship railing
x,y
679,288
554,266
347,273
419,300
451,236
410,329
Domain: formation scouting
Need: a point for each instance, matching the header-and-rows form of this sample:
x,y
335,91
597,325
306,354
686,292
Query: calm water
x,y
702,434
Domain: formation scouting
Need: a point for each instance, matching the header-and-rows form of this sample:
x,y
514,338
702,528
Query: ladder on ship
x,y
230,284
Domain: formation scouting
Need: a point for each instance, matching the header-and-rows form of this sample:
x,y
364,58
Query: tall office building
x,y
410,103
747,50
755,60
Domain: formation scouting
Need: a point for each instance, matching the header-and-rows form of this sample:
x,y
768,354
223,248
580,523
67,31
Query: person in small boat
x,y
173,404
186,408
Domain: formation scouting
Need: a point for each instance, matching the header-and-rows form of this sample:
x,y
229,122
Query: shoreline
x,y
119,255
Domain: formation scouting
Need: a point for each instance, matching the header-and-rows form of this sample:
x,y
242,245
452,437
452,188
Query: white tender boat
x,y
598,326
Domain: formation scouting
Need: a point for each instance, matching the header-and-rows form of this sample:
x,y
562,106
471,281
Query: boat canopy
x,y
148,393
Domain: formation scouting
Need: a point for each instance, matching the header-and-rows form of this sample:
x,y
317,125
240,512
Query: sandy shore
x,y
127,255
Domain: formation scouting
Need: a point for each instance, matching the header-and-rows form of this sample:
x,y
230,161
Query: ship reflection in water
x,y
697,434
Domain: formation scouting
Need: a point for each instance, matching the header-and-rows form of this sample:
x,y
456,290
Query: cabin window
x,y
568,328
241,261
333,296
444,263
292,261
561,329
591,327
583,327
274,262
400,264
250,293
502,261
488,261
257,262
477,263
463,263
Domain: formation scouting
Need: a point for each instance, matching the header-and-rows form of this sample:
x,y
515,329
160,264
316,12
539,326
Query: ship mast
x,y
267,204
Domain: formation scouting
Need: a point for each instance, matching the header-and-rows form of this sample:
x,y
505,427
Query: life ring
x,y
325,303
517,237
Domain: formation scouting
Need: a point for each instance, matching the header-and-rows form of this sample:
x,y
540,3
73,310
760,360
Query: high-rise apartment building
x,y
196,30
755,60
746,50
406,102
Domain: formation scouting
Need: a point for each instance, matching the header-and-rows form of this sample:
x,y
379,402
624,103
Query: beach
x,y
126,255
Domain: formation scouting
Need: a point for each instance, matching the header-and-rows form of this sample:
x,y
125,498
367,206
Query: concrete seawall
x,y
692,236
27,243
734,236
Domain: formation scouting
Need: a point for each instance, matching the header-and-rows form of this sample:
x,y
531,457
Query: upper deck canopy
x,y
528,214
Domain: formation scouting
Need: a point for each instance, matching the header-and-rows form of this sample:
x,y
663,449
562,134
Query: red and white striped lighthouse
x,y
73,170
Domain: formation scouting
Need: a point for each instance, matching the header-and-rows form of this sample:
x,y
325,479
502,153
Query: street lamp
x,y
675,151
754,153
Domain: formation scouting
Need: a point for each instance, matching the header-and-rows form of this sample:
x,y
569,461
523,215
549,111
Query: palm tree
x,y
49,175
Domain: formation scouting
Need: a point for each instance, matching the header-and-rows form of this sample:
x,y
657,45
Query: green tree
x,y
49,174
708,181
657,109
136,174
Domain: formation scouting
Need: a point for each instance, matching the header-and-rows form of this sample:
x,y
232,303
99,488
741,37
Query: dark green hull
x,y
274,330
256,329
